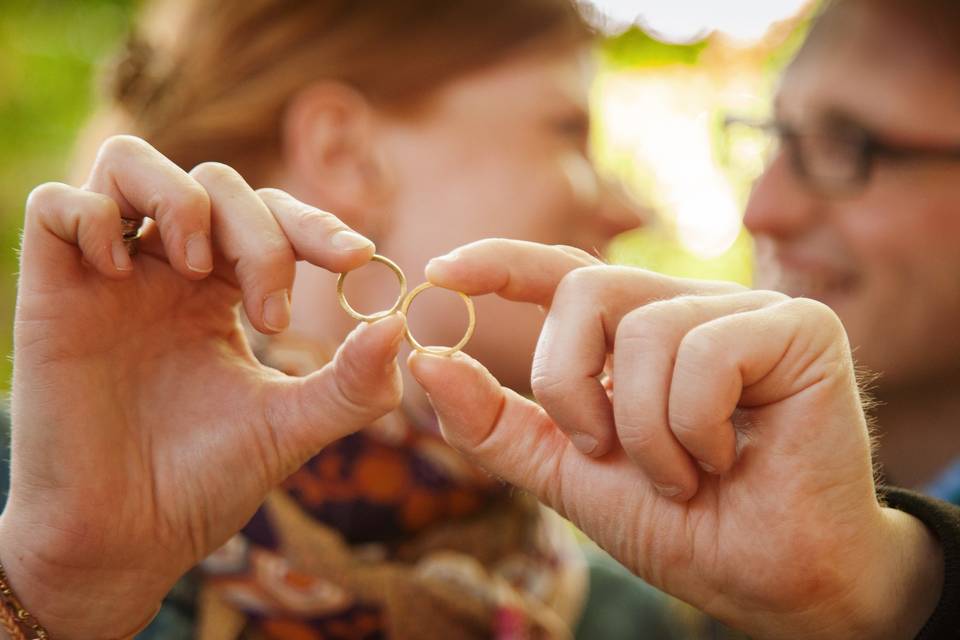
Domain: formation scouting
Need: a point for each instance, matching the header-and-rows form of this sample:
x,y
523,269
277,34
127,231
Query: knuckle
x,y
809,310
636,325
291,212
722,287
636,438
701,357
494,243
54,200
583,283
351,379
191,199
771,297
122,145
272,259
701,348
585,257
272,193
549,386
684,421
488,247
652,322
214,172
44,196
813,314
686,305
311,220
389,396
185,201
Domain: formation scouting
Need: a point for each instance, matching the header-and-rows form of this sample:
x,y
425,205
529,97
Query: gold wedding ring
x,y
130,230
373,317
404,300
440,351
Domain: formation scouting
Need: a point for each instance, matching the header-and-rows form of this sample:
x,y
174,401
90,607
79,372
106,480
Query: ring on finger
x,y
130,232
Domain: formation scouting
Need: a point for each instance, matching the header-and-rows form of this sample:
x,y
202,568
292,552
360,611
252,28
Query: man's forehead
x,y
868,68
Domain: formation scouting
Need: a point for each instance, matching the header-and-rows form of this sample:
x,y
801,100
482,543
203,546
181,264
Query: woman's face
x,y
500,153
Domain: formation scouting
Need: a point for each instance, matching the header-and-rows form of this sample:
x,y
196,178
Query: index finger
x,y
513,269
530,272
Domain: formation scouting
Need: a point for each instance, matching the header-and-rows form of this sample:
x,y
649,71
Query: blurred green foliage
x,y
635,48
49,52
657,246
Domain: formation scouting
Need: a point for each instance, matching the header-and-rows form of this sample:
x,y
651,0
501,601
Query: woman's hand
x,y
144,431
726,457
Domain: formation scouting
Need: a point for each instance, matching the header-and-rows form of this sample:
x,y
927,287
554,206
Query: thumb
x,y
513,438
360,384
503,432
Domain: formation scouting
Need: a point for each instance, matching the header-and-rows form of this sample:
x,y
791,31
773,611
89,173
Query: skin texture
x,y
717,365
420,184
892,246
500,153
135,392
784,539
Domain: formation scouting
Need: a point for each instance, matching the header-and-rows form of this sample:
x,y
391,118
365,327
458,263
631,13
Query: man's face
x,y
885,257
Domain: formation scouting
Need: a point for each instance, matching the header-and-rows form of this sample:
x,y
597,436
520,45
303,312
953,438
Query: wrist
x,y
73,602
902,591
884,586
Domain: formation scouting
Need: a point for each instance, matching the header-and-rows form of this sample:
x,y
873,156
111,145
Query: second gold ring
x,y
404,300
441,351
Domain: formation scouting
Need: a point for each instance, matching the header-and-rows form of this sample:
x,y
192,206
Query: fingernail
x,y
668,490
585,442
350,241
276,310
198,254
121,256
706,467
440,262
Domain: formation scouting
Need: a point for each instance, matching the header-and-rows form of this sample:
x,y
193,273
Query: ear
x,y
328,148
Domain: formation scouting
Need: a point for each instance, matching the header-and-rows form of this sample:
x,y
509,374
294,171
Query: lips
x,y
800,275
822,285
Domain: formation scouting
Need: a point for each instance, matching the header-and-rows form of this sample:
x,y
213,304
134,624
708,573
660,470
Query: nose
x,y
618,211
780,205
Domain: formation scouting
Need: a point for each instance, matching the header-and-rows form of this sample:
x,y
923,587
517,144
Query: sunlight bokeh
x,y
744,21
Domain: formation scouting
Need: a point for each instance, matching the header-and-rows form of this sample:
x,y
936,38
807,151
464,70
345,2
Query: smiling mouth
x,y
825,287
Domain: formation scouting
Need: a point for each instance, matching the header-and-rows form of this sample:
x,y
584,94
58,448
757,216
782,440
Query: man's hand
x,y
709,437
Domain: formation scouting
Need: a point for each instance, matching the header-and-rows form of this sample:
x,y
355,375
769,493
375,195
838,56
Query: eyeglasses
x,y
836,163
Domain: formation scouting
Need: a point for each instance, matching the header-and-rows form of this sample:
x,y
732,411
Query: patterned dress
x,y
389,533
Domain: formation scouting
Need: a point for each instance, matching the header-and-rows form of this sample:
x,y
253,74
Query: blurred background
x,y
671,72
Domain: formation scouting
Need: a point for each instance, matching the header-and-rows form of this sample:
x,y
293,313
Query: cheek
x,y
912,239
454,196
546,199
508,199
904,317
